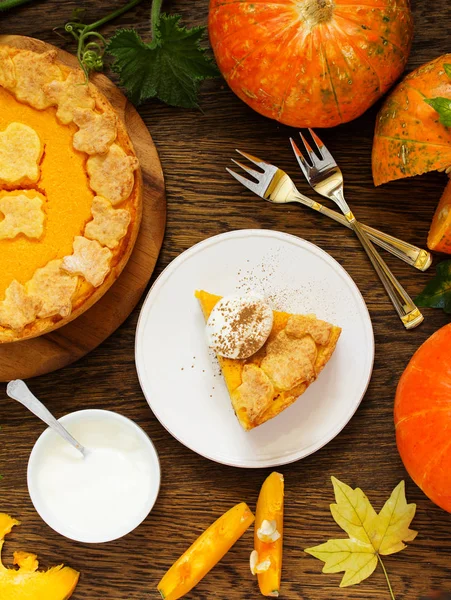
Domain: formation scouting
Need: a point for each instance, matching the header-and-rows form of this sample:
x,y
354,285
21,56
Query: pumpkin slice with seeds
x,y
26,582
205,552
268,536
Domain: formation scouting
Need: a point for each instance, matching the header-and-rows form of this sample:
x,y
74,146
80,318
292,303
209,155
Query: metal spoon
x,y
18,390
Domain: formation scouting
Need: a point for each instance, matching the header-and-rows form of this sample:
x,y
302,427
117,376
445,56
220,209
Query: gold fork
x,y
326,178
274,185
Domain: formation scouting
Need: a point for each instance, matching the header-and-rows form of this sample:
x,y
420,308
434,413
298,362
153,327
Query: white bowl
x,y
129,522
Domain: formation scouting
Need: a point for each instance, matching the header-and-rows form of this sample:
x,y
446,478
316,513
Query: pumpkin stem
x,y
315,12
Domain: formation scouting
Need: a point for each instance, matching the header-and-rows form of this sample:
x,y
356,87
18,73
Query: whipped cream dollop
x,y
238,326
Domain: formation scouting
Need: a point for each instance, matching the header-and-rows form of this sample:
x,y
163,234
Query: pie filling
x,y
62,178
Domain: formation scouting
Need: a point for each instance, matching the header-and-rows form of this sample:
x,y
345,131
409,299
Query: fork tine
x,y
305,167
254,187
257,161
252,172
324,152
309,149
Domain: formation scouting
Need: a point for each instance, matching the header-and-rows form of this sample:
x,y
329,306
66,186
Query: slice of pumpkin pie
x,y
265,383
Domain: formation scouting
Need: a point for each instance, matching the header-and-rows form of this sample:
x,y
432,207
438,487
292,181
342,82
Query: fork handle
x,y
410,254
403,303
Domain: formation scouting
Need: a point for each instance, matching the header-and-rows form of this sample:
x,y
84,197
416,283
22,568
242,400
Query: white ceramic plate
x,y
181,379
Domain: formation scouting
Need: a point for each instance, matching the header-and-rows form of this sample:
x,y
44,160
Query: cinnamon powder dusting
x,y
245,331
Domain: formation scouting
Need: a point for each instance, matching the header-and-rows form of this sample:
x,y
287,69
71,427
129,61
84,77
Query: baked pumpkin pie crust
x,y
70,193
262,386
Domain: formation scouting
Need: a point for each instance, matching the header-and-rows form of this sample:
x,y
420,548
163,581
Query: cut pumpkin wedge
x,y
270,511
26,582
206,551
439,238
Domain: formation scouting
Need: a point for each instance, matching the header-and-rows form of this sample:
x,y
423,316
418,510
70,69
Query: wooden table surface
x,y
195,147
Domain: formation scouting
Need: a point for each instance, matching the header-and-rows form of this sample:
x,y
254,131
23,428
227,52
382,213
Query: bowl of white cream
x,y
100,497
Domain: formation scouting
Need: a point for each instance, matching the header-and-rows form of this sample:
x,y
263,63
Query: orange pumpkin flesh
x,y
26,582
206,551
269,508
439,238
423,417
409,138
315,63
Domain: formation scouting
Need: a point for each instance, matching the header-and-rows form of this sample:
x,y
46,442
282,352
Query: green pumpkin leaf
x,y
171,67
443,107
437,293
448,70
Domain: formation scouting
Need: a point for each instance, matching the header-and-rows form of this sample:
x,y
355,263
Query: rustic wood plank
x,y
195,147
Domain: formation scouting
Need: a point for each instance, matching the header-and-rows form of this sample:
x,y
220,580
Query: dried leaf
x,y
357,560
371,535
391,526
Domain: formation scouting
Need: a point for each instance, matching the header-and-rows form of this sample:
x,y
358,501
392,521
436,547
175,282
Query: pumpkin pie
x,y
70,193
296,351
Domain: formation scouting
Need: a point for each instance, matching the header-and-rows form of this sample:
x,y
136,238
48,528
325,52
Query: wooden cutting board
x,y
21,360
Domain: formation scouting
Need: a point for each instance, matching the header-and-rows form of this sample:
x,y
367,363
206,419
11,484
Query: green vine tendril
x,y
90,46
90,43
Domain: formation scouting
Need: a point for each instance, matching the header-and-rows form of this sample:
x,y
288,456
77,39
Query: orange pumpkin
x,y
423,417
409,138
315,63
439,237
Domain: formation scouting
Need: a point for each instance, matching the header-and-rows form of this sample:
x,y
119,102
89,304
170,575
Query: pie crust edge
x,y
90,296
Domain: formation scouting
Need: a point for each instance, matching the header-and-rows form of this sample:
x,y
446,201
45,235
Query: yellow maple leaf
x,y
371,535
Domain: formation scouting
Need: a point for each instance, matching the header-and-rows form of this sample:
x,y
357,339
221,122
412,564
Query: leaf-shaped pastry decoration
x,y
371,535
